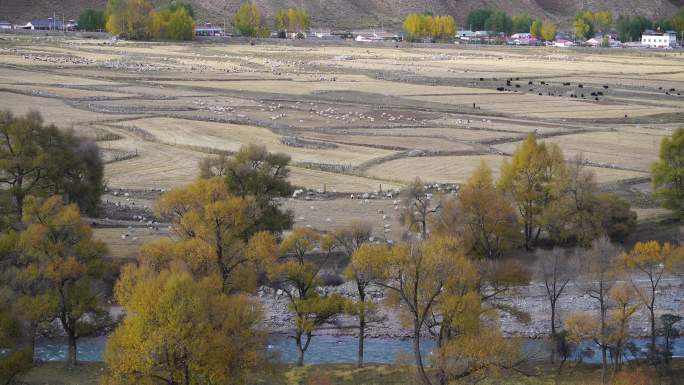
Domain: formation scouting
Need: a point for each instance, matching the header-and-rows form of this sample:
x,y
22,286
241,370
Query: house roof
x,y
47,23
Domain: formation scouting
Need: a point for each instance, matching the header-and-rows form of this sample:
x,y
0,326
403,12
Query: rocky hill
x,y
357,13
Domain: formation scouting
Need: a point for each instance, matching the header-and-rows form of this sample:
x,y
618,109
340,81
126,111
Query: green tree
x,y
534,178
63,259
255,172
40,160
603,20
631,28
91,20
173,24
677,22
176,5
16,360
178,330
248,21
477,18
280,20
536,29
521,23
499,21
548,31
668,173
583,24
299,277
663,24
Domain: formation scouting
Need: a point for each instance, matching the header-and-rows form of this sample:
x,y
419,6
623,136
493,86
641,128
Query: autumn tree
x,y
534,179
443,28
181,330
363,269
583,24
131,19
418,26
491,223
255,172
668,173
556,271
548,31
213,230
173,23
652,261
40,160
299,279
598,275
677,22
603,20
418,207
415,275
248,21
63,259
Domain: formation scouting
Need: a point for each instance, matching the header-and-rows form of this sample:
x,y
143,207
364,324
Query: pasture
x,y
353,118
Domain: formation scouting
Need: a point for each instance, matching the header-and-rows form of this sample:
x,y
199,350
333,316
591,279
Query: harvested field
x,y
125,242
628,150
349,116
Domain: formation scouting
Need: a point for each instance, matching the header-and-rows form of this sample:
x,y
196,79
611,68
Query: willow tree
x,y
182,330
62,258
668,172
534,178
299,278
214,233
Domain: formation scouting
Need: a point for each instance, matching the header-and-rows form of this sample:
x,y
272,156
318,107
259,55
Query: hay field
x,y
356,112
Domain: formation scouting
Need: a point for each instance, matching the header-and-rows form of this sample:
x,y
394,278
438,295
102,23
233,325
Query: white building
x,y
654,39
6,25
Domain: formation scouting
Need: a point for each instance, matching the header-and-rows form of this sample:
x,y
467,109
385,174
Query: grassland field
x,y
355,118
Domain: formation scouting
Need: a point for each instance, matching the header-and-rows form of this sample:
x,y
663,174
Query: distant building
x,y
521,35
653,39
325,34
208,30
376,36
50,24
4,25
563,43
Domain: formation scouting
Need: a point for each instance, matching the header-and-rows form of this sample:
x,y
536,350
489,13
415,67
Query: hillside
x,y
357,13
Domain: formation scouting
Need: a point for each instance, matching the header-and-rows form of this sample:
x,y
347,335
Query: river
x,y
323,349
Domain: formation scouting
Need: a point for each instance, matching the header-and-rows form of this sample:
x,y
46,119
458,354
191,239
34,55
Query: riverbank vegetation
x,y
190,316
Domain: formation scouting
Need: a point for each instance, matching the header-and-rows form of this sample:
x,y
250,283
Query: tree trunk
x,y
300,350
554,343
71,358
362,336
416,352
652,349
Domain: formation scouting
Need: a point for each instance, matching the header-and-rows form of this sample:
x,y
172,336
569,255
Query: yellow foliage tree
x,y
176,24
652,260
179,330
443,28
62,259
491,223
418,25
548,31
299,278
534,178
213,238
130,18
248,21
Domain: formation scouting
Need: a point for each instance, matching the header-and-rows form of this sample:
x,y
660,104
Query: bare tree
x,y
598,276
556,270
418,208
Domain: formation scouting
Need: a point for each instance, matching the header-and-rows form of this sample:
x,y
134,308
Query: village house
x,y
5,25
208,29
376,36
50,24
654,39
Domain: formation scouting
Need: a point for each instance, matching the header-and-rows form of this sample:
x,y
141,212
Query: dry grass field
x,y
353,117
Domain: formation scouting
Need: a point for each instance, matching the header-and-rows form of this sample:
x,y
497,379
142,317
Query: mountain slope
x,y
357,13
